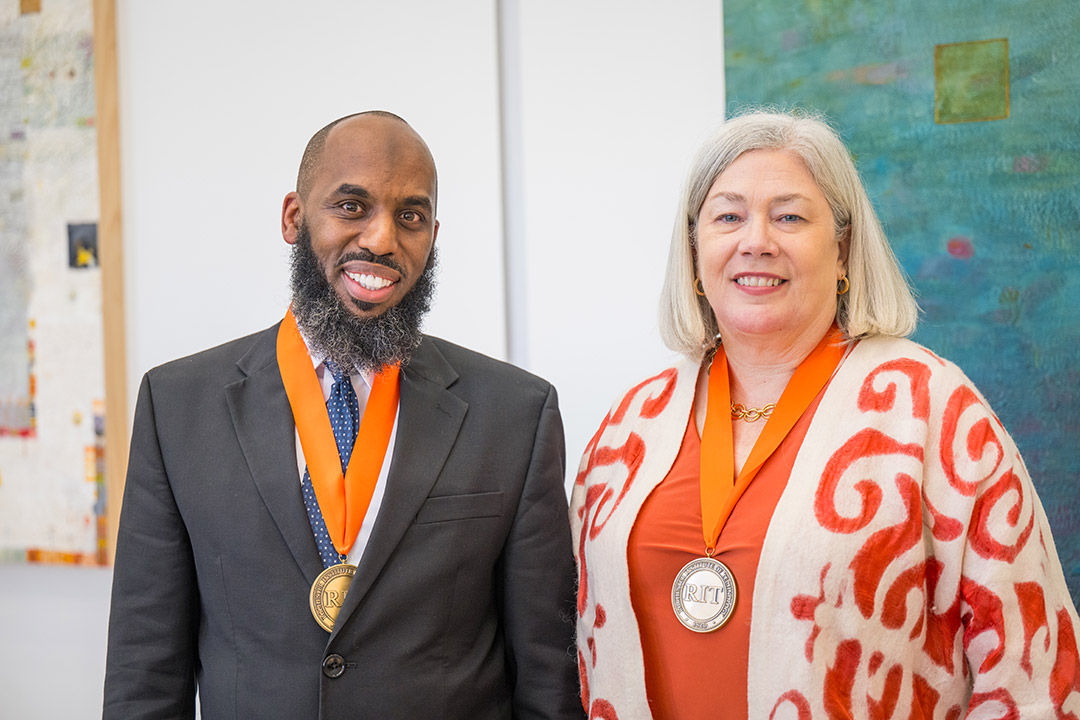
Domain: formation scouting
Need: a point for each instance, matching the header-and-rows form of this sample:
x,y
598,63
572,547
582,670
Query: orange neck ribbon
x,y
343,499
720,489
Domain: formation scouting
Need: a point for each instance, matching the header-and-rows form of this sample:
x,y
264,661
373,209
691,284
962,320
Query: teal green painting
x,y
964,120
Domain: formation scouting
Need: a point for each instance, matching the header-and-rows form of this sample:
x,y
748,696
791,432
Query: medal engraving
x,y
328,593
703,595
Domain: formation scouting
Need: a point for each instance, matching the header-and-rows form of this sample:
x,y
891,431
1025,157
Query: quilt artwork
x,y
52,387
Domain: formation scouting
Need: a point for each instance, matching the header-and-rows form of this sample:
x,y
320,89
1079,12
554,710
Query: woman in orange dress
x,y
809,516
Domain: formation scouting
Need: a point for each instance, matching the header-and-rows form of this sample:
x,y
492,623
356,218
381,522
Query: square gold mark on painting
x,y
971,81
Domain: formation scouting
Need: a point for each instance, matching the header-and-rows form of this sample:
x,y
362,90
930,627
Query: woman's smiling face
x,y
767,250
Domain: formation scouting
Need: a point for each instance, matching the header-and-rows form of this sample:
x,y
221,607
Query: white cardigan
x,y
908,564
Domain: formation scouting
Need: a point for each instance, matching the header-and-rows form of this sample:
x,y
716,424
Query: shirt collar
x,y
317,360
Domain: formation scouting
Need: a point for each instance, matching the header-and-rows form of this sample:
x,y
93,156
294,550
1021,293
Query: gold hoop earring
x,y
698,287
843,286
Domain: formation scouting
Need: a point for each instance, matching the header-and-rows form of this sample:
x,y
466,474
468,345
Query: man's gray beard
x,y
351,341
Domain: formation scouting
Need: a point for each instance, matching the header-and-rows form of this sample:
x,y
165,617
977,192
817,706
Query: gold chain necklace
x,y
741,412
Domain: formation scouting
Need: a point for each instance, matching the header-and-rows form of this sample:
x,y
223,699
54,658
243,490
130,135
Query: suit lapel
x,y
429,419
265,428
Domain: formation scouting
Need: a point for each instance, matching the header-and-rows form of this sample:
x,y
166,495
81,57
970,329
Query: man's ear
x,y
291,216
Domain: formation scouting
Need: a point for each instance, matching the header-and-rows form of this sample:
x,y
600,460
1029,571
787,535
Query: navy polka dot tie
x,y
344,410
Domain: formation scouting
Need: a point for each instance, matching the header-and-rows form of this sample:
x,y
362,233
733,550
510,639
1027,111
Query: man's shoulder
x,y
474,367
221,361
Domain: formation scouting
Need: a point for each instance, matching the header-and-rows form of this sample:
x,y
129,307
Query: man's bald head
x,y
313,153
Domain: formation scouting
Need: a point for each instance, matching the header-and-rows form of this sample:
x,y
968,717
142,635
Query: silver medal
x,y
703,595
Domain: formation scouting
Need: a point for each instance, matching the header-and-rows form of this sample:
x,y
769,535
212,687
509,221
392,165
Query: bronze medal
x,y
328,593
703,595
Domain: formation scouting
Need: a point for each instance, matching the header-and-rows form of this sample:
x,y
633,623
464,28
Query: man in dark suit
x,y
437,585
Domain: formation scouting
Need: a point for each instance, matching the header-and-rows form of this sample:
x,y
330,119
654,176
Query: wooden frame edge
x,y
110,243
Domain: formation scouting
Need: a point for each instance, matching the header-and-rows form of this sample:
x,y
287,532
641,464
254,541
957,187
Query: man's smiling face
x,y
369,206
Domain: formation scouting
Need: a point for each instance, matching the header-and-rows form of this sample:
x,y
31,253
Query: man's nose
x,y
380,234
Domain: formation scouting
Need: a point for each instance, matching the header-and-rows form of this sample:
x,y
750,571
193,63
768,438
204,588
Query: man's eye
x,y
411,216
350,206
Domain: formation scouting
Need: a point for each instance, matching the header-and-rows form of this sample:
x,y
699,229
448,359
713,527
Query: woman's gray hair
x,y
880,301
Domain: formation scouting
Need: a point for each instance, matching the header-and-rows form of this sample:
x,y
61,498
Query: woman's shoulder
x,y
654,394
939,376
647,407
876,352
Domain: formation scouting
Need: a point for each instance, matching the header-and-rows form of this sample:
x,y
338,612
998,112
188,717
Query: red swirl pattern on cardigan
x,y
601,500
1000,527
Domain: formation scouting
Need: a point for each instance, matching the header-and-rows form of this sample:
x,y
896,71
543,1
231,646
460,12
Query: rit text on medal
x,y
708,594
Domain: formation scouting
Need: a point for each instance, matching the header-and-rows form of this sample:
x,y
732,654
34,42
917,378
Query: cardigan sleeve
x,y
1018,623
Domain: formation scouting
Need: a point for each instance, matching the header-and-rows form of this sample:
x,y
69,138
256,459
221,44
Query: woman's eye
x,y
790,218
728,218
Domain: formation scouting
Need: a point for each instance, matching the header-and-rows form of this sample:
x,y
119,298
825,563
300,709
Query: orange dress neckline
x,y
691,675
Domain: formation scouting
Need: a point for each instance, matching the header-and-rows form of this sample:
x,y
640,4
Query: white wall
x,y
603,102
52,641
616,97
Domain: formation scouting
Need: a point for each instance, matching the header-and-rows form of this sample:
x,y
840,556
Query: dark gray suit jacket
x,y
461,606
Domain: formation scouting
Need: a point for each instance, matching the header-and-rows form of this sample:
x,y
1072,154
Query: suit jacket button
x,y
333,666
